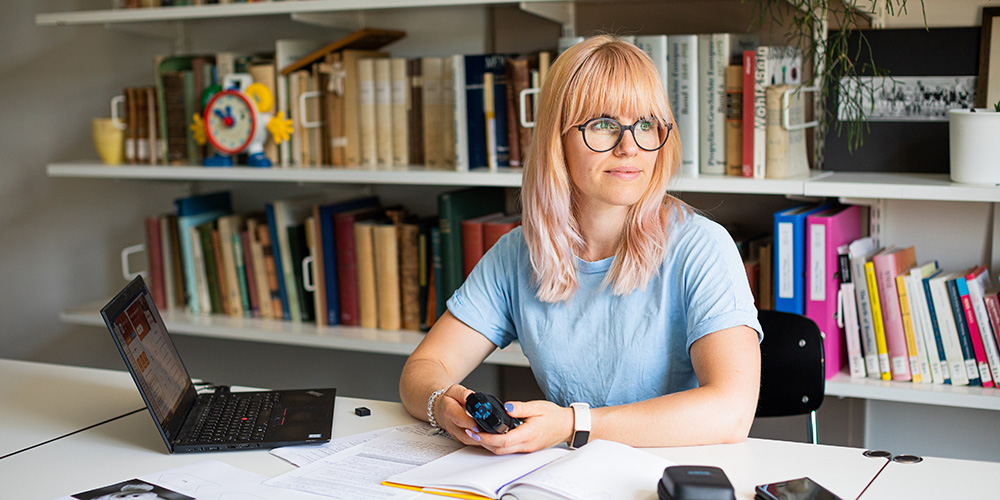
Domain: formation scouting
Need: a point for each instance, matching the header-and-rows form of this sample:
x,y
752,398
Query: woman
x,y
620,295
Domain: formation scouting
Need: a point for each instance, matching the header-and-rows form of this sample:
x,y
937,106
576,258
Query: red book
x,y
972,325
749,60
472,241
888,265
992,300
154,251
347,264
494,229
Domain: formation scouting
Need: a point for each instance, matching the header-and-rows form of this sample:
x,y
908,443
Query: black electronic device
x,y
695,482
489,414
802,488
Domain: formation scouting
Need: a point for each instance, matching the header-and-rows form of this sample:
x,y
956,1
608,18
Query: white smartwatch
x,y
581,424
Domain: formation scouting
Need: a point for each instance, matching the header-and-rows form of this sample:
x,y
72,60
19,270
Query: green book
x,y
299,251
453,208
211,266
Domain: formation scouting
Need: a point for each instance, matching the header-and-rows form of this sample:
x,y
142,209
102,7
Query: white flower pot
x,y
975,146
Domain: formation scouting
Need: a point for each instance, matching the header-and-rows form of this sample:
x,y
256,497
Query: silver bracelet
x,y
430,407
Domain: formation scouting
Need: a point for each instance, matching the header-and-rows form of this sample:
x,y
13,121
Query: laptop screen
x,y
150,355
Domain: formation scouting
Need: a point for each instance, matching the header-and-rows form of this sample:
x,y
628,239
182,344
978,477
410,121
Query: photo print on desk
x,y
133,489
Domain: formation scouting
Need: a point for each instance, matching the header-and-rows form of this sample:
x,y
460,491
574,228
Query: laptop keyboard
x,y
232,417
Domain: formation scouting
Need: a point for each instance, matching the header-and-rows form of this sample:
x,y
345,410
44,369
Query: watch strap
x,y
581,424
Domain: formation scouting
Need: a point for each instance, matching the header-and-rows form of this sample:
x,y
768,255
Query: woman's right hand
x,y
449,411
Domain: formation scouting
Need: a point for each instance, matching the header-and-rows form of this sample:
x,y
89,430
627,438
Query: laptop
x,y
222,421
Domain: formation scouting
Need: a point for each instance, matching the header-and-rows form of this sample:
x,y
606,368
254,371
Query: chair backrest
x,y
792,380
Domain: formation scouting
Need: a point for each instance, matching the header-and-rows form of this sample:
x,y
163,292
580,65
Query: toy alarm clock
x,y
236,120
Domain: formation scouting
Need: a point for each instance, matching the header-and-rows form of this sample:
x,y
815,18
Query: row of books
x,y
882,314
352,262
363,107
352,106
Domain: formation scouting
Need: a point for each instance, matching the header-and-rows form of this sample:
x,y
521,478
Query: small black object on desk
x,y
362,411
695,482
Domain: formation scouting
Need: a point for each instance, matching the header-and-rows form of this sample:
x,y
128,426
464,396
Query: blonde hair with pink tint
x,y
599,76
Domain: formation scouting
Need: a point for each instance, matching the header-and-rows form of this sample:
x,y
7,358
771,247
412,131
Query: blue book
x,y
475,66
939,346
438,271
964,338
272,225
790,256
193,211
328,249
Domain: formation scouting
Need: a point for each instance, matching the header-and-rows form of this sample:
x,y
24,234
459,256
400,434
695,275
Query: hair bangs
x,y
620,81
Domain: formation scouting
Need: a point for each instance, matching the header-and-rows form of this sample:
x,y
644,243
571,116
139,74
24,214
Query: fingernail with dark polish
x,y
473,435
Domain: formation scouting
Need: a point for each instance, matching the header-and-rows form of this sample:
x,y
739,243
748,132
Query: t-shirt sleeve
x,y
484,302
715,283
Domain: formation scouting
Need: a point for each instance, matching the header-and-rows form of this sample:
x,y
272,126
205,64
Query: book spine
x,y
910,338
279,264
885,367
347,272
922,321
749,75
929,294
992,302
384,140
387,286
711,103
962,329
895,337
400,87
761,80
684,73
409,275
365,257
367,113
977,287
949,335
974,336
154,253
864,307
734,120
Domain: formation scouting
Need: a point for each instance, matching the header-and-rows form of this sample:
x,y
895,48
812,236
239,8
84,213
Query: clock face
x,y
230,122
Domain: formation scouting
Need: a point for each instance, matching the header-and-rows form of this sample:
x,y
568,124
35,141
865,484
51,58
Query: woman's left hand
x,y
545,424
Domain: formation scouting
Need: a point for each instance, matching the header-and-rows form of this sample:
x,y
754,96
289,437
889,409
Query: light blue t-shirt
x,y
604,349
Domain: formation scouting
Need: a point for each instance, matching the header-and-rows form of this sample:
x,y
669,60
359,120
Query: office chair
x,y
792,380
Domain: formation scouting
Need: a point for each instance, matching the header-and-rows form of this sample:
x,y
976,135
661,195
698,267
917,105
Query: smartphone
x,y
802,488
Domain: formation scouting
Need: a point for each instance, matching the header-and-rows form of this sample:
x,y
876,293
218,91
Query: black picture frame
x,y
988,59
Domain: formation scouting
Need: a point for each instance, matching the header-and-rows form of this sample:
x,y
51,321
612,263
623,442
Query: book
x,y
228,227
383,103
875,298
385,251
425,272
734,120
977,282
790,256
848,312
273,287
859,252
888,265
473,240
415,112
453,208
327,286
784,150
919,372
193,211
173,273
350,59
602,469
471,128
409,274
992,301
657,48
495,228
936,329
155,265
346,258
210,291
364,253
682,92
434,117
962,372
716,52
920,315
968,329
399,85
773,65
367,116
749,74
825,232
281,215
298,251
254,227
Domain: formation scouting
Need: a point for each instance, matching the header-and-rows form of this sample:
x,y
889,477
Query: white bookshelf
x,y
347,338
402,343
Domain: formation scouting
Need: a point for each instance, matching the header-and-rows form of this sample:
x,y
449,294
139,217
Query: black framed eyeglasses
x,y
603,134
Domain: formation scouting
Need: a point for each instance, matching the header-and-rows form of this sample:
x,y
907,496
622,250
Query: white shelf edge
x,y
842,385
403,342
396,342
181,13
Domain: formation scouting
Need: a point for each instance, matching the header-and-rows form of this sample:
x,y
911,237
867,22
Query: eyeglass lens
x,y
603,134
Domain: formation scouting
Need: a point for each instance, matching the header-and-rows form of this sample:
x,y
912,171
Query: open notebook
x,y
597,471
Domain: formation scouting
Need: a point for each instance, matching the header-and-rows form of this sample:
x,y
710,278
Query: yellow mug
x,y
109,139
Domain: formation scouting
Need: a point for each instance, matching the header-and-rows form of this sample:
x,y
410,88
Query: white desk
x,y
39,402
131,447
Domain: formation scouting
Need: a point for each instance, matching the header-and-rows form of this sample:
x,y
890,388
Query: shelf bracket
x,y
349,21
563,13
